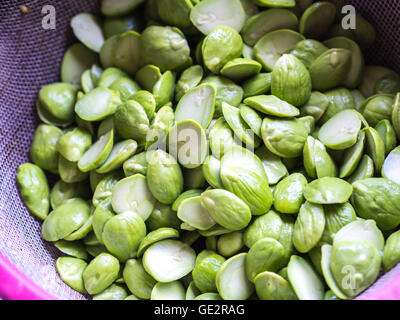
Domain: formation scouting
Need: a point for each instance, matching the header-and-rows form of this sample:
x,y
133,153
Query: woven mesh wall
x,y
30,58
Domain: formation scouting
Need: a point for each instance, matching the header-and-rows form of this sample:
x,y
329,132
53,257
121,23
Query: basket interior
x,y
30,58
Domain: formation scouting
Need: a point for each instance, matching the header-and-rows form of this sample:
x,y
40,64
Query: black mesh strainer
x,y
30,57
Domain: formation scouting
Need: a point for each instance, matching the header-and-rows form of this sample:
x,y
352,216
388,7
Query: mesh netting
x,y
30,58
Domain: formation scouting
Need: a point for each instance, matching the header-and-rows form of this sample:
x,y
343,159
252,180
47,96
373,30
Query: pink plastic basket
x,y
30,57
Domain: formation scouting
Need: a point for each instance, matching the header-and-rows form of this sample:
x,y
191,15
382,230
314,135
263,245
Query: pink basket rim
x,y
388,291
14,285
